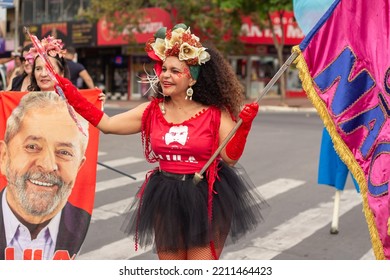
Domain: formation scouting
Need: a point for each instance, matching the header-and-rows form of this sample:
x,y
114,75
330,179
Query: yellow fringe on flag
x,y
341,148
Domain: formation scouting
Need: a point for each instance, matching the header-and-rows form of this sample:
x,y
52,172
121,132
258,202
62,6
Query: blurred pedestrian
x,y
77,70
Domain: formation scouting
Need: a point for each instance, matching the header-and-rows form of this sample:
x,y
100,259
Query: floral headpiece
x,y
180,42
52,46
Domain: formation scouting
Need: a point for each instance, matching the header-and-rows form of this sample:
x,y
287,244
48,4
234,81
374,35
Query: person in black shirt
x,y
77,70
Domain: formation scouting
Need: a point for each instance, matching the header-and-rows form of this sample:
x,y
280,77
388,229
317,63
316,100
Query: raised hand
x,y
236,145
82,106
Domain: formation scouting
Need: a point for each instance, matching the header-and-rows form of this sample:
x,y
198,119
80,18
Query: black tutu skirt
x,y
173,213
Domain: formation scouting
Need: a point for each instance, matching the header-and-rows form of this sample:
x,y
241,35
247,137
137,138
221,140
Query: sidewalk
x,y
266,104
294,104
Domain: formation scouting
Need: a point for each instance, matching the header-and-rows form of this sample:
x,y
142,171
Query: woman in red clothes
x,y
197,100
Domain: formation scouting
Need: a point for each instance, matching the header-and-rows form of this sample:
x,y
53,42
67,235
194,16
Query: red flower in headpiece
x,y
51,45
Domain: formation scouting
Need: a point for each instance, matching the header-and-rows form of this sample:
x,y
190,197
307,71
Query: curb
x,y
286,109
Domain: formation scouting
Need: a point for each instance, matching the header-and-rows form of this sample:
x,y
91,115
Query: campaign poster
x,y
47,179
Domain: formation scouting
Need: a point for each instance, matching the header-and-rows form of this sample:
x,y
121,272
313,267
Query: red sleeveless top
x,y
184,147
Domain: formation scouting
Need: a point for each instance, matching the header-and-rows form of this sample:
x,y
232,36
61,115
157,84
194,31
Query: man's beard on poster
x,y
39,203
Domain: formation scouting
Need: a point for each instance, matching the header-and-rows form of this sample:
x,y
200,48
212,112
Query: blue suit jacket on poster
x,y
73,228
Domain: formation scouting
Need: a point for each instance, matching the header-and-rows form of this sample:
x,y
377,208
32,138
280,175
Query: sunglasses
x,y
29,58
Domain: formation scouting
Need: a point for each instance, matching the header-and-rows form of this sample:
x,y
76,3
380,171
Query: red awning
x,y
155,18
253,34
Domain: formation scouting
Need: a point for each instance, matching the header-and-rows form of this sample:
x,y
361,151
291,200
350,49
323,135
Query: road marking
x,y
119,162
278,186
118,250
369,255
111,210
293,231
119,182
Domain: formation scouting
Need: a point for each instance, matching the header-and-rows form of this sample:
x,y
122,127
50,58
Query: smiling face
x,y
41,163
44,82
175,77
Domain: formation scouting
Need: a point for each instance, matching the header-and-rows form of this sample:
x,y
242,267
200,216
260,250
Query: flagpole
x,y
283,68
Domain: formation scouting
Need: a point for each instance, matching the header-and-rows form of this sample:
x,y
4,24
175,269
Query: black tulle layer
x,y
174,215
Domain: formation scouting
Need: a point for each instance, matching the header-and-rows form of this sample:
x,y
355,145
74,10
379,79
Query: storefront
x,y
254,72
126,69
260,63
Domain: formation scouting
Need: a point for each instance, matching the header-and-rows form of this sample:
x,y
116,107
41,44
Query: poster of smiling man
x,y
48,176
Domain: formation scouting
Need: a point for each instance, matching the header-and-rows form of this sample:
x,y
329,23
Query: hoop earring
x,y
189,93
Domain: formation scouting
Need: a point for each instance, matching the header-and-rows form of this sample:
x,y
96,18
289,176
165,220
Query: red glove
x,y
82,106
235,147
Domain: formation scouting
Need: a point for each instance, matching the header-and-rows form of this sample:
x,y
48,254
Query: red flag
x,y
344,67
81,197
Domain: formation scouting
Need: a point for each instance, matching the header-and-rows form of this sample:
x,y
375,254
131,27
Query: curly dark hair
x,y
217,84
62,65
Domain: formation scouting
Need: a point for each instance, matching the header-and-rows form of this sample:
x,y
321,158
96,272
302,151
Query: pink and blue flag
x,y
344,64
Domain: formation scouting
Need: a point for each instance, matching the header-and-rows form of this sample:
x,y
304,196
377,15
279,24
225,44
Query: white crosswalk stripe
x,y
110,210
119,250
368,256
119,162
119,182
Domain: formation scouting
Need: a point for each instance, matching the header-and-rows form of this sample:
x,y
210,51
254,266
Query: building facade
x,y
117,68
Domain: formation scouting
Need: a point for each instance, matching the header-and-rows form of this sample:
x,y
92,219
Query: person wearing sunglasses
x,y
20,82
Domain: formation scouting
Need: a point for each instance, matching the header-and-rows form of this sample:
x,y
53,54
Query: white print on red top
x,y
178,158
178,134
